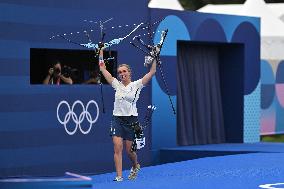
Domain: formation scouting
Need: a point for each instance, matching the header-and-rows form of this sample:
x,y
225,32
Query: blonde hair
x,y
127,66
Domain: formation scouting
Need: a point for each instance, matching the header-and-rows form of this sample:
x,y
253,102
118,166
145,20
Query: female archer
x,y
125,113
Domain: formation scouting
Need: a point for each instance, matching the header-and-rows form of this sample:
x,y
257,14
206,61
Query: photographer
x,y
56,77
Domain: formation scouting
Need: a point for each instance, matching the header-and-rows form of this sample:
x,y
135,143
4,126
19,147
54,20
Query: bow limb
x,y
133,30
112,42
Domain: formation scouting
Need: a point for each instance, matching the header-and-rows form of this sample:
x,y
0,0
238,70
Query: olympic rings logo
x,y
77,120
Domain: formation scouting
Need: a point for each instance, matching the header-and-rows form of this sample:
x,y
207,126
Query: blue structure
x,y
33,142
211,28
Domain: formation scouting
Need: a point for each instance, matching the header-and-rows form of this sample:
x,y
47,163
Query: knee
x,y
118,149
129,152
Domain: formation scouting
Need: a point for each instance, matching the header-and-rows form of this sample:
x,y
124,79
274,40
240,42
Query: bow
x,y
100,45
153,54
110,43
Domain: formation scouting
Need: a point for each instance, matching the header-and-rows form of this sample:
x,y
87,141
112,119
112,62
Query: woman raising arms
x,y
125,112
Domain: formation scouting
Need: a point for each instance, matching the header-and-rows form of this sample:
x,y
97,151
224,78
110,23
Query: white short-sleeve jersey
x,y
126,97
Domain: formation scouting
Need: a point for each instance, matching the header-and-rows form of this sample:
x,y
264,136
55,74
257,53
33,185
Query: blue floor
x,y
250,170
169,155
233,171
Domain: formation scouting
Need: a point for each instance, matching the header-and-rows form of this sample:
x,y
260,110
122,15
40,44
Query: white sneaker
x,y
118,179
134,172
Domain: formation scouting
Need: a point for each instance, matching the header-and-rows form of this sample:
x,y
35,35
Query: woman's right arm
x,y
103,69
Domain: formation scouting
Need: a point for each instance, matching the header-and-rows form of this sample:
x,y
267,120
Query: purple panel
x,y
267,121
280,93
279,110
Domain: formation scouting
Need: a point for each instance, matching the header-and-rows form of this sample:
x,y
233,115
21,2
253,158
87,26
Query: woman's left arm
x,y
150,74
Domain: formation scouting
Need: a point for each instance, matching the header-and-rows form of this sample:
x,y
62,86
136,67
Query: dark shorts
x,y
121,126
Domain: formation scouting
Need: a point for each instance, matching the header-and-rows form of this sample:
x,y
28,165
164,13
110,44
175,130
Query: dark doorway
x,y
210,84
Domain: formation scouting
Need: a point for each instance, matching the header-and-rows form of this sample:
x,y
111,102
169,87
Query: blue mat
x,y
233,171
239,171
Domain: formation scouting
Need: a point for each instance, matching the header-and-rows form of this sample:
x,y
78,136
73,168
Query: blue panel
x,y
70,13
230,24
280,72
164,130
31,120
8,67
14,49
177,31
267,95
30,131
26,14
247,34
218,28
14,81
251,116
25,159
267,75
210,30
168,70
